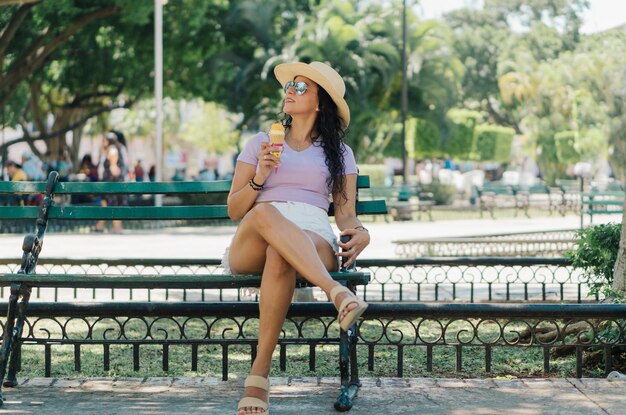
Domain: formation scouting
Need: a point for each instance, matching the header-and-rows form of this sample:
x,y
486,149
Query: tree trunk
x,y
64,118
619,273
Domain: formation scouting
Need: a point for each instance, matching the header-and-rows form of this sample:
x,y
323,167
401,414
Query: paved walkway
x,y
210,242
315,396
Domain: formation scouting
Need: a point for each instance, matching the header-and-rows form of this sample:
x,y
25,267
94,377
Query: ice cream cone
x,y
277,140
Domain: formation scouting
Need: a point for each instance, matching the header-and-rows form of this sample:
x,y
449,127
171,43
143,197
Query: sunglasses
x,y
300,87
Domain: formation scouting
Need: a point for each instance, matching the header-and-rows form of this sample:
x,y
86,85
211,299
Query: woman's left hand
x,y
359,240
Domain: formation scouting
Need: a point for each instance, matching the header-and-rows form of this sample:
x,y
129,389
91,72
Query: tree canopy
x,y
519,64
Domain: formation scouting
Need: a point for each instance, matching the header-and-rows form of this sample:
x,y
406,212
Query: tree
x,y
619,276
489,47
583,92
211,128
363,42
71,62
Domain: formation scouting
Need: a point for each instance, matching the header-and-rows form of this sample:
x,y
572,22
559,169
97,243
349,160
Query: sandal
x,y
250,402
354,314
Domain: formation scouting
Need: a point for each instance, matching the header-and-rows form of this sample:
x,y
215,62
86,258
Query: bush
x,y
566,152
460,125
427,139
493,143
443,194
460,140
596,254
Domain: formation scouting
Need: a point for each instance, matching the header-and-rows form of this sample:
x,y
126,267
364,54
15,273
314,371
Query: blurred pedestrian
x,y
16,173
138,171
31,164
113,168
64,166
88,168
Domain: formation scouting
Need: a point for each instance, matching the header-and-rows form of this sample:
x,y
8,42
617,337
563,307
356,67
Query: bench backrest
x,y
81,212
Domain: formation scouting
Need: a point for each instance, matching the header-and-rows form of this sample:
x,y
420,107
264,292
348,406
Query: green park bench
x,y
570,194
494,194
601,203
22,282
533,196
403,200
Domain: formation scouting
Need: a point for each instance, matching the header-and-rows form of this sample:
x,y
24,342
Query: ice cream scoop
x,y
277,140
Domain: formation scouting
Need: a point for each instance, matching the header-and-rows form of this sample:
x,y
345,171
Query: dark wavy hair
x,y
331,133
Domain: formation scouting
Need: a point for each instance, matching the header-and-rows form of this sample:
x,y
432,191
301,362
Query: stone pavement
x,y
389,396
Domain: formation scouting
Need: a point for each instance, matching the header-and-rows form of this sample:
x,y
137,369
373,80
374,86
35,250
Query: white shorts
x,y
307,217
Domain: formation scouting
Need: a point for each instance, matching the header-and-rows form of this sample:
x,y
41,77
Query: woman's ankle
x,y
260,370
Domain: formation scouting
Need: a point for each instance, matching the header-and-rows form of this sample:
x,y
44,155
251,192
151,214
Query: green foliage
x,y
566,148
427,141
443,194
550,166
490,47
211,128
459,140
542,80
138,121
365,47
596,254
493,143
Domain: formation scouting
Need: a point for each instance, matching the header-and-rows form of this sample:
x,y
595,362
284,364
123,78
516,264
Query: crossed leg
x,y
267,241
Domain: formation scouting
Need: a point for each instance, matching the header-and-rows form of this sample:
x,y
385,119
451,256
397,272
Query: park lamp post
x,y
158,93
404,98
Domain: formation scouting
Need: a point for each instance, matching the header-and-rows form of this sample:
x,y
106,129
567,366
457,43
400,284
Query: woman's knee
x,y
263,215
278,263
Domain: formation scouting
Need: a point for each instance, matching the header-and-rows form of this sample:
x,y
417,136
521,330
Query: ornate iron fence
x,y
421,279
421,338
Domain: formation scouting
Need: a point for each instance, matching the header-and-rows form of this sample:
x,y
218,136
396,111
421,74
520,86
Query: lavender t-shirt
x,y
301,176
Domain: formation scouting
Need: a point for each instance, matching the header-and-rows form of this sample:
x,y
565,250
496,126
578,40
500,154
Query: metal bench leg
x,y
349,381
11,379
354,363
8,339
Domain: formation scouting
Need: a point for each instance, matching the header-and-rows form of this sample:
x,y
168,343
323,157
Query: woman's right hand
x,y
267,163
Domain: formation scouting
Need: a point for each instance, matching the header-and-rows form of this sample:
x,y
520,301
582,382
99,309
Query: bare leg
x,y
277,287
117,226
266,240
100,224
265,225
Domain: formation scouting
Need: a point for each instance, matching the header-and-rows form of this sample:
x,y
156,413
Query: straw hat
x,y
321,74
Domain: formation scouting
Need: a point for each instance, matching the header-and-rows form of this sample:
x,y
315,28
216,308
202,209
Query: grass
x,y
507,360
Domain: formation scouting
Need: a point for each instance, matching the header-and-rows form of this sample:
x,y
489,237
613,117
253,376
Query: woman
x,y
283,202
113,171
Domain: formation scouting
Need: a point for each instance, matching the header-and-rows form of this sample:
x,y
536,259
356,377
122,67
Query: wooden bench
x,y
22,282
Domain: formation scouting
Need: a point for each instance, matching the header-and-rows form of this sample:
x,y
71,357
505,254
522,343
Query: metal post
x,y
404,95
158,92
3,162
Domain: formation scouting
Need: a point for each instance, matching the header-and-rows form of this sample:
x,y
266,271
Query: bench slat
x,y
219,186
159,281
596,202
603,212
110,212
368,207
